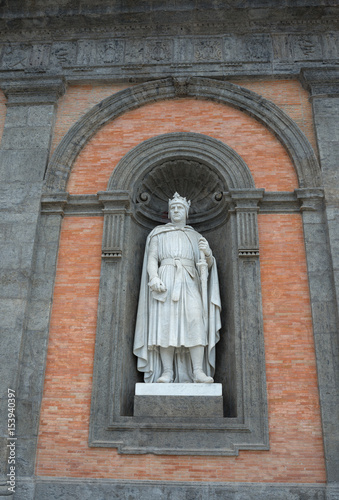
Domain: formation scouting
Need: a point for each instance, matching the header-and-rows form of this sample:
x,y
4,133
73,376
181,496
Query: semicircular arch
x,y
266,112
195,165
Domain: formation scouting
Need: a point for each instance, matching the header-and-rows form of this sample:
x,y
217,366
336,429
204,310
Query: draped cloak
x,y
175,317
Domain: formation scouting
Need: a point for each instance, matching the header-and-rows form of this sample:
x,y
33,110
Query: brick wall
x,y
75,102
263,153
296,453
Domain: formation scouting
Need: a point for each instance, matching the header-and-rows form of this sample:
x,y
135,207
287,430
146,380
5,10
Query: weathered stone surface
x,y
144,490
142,389
178,406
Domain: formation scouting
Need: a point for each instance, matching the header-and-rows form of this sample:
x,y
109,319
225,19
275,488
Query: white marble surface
x,y
142,389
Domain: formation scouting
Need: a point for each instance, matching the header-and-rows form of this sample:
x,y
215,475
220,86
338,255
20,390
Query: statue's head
x,y
178,200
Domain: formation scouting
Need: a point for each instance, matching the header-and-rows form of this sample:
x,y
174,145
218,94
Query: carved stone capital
x,y
321,82
33,91
246,208
247,200
310,199
114,202
54,204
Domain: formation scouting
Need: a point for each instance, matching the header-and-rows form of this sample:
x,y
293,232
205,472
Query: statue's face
x,y
177,213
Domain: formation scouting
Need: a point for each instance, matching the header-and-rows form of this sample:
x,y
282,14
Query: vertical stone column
x,y
24,154
323,85
246,203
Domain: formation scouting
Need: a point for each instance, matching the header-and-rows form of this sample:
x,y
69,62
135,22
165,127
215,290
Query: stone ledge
x,y
178,406
80,488
208,390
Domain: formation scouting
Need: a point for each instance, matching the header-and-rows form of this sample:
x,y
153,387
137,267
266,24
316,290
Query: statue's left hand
x,y
204,246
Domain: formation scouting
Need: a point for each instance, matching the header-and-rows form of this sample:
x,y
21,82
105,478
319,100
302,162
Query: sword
x,y
203,271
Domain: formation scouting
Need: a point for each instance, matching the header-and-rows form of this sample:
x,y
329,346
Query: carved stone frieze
x,y
208,50
247,53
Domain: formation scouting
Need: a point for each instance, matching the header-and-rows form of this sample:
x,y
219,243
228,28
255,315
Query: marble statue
x,y
178,318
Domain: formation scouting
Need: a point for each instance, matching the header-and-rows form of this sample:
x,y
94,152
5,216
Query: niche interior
x,y
224,205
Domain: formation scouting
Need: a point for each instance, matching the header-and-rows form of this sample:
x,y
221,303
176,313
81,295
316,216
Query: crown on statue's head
x,y
179,199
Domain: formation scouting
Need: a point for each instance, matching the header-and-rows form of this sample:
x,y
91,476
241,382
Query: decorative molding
x,y
33,91
278,122
116,205
90,205
80,488
54,203
71,21
101,55
246,208
321,82
310,199
210,166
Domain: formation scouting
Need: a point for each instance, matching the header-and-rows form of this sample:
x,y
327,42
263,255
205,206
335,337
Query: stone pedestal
x,y
178,400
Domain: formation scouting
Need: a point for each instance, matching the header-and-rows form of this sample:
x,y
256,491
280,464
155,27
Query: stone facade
x,y
99,98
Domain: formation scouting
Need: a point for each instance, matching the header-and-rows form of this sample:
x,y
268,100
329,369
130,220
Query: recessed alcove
x,y
201,185
204,187
224,205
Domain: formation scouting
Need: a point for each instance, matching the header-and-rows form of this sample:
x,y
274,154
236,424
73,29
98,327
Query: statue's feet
x,y
166,377
201,378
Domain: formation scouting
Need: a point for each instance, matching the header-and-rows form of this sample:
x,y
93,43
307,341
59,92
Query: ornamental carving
x,y
208,50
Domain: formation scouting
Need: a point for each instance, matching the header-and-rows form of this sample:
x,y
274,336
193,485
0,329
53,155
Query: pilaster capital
x,y
321,82
33,91
114,201
311,199
54,204
246,199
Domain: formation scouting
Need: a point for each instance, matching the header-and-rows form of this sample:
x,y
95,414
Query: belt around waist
x,y
175,262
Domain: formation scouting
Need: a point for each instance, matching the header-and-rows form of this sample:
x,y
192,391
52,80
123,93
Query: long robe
x,y
175,317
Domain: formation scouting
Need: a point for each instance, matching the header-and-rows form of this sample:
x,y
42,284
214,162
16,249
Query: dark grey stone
x,y
27,164
38,315
16,116
41,115
178,406
25,489
172,490
22,176
25,454
19,138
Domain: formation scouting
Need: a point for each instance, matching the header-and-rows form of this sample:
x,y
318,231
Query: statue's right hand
x,y
156,285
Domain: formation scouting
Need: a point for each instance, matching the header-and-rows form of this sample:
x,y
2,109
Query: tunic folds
x,y
177,321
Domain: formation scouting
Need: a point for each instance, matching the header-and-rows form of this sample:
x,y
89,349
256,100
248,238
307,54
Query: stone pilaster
x,y
24,153
323,85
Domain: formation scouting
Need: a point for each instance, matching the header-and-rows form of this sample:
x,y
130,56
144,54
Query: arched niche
x,y
224,209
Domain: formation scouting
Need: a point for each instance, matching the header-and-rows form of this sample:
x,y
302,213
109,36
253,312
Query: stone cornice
x,y
258,200
200,21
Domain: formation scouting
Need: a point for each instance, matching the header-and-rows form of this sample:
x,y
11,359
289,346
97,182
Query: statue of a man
x,y
178,317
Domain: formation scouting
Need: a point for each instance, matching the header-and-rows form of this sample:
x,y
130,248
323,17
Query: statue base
x,y
178,400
